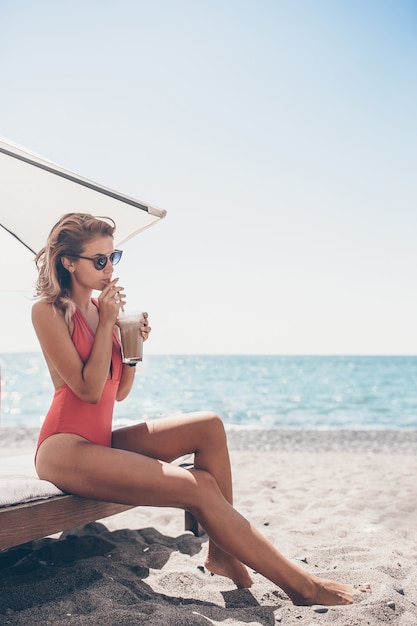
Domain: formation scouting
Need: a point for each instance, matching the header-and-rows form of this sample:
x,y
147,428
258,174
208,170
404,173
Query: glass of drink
x,y
131,338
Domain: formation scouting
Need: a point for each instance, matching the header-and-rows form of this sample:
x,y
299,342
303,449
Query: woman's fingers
x,y
145,329
113,296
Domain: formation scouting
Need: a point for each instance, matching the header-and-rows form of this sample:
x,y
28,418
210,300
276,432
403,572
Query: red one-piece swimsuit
x,y
69,414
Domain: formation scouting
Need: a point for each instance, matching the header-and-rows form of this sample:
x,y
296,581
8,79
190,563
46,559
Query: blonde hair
x,y
68,237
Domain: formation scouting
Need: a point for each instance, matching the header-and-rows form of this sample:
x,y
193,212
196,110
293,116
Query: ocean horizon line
x,y
253,354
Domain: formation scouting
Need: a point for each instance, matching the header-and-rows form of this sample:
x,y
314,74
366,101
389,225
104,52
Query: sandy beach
x,y
340,503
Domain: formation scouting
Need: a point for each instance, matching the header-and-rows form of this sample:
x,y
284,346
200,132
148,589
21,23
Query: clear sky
x,y
280,136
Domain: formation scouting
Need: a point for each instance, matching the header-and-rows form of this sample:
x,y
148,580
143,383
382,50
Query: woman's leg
x,y
203,434
80,467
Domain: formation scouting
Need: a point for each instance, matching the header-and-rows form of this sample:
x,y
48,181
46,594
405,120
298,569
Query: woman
x,y
77,449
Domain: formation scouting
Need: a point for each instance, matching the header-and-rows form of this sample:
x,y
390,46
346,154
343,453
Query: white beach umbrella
x,y
35,193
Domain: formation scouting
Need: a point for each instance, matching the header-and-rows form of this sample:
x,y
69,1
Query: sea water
x,y
255,391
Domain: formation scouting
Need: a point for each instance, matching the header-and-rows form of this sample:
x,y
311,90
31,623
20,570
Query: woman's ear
x,y
68,264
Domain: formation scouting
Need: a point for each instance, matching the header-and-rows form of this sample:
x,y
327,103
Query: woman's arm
x,y
126,382
86,380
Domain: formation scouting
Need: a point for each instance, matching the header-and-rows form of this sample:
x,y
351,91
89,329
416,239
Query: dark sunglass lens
x,y
101,262
115,257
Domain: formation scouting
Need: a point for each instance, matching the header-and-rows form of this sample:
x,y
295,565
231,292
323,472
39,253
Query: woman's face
x,y
86,273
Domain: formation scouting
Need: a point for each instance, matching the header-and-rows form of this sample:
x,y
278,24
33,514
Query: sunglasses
x,y
100,262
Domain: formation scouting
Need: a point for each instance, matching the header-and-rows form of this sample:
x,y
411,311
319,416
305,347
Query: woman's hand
x,y
145,329
111,301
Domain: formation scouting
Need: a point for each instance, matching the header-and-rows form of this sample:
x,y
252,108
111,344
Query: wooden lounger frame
x,y
20,523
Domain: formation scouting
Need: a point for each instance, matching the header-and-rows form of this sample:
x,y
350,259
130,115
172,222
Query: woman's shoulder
x,y
41,306
45,311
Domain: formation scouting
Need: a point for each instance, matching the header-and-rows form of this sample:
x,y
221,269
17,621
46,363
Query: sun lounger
x,y
20,523
31,508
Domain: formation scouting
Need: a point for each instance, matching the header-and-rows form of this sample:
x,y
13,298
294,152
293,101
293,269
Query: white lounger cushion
x,y
19,482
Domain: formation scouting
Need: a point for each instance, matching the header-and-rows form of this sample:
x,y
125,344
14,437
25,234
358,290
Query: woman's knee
x,y
213,425
206,491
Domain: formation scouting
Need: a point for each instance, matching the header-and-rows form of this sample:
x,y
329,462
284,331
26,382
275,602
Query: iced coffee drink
x,y
130,336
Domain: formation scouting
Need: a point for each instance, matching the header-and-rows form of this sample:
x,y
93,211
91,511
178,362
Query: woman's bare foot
x,y
327,592
218,562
